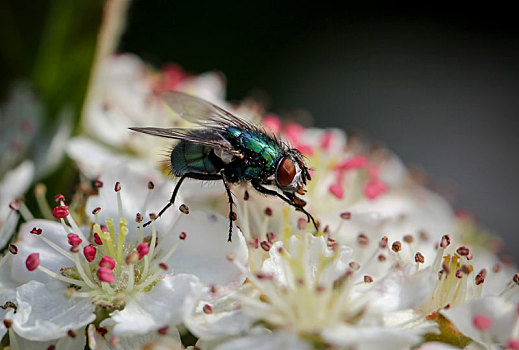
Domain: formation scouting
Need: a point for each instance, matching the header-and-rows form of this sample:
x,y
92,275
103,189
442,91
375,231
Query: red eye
x,y
285,172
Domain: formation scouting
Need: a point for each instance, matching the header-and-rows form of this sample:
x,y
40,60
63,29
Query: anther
x,y
463,251
105,275
60,212
13,249
408,239
143,249
346,215
74,239
8,323
71,333
32,262
184,209
117,186
233,216
362,239
97,239
516,278
467,269
152,216
163,266
14,205
423,235
207,309
265,246
131,258
98,183
381,257
479,279
497,268
59,198
163,331
139,217
51,347
383,242
396,247
90,252
354,266
368,279
445,241
419,258
246,195
268,211
151,185
271,236
107,262
36,231
182,235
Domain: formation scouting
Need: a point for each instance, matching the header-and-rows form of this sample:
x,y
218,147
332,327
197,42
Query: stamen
x,y
40,192
25,212
151,186
82,273
105,275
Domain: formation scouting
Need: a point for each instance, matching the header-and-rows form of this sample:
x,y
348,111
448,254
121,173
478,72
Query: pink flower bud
x,y
33,261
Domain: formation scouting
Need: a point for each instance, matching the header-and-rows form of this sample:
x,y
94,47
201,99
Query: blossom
x,y
30,151
148,278
128,94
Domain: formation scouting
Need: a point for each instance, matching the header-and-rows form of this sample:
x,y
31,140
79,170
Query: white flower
x,y
312,291
128,94
136,272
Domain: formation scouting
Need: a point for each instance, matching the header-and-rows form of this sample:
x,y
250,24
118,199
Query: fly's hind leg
x,y
231,203
195,176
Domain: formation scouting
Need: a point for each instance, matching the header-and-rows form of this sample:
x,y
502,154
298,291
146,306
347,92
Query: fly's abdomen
x,y
187,157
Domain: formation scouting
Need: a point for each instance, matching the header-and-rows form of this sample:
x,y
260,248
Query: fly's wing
x,y
207,137
201,112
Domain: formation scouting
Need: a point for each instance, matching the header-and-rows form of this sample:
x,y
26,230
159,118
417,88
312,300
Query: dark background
x,y
436,83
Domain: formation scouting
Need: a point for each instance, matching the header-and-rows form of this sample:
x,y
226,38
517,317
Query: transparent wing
x,y
201,112
208,137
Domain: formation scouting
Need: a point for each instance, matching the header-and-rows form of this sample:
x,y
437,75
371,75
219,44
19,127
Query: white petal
x,y
370,338
165,304
218,324
98,341
64,343
278,340
29,243
14,183
436,346
503,315
45,313
204,252
92,158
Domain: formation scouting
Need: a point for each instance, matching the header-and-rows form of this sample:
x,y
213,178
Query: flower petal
x,y
205,250
165,304
45,313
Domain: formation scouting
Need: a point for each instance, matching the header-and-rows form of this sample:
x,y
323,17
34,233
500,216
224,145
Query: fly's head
x,y
292,173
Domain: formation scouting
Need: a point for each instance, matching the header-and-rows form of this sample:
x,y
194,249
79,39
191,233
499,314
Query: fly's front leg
x,y
300,208
232,214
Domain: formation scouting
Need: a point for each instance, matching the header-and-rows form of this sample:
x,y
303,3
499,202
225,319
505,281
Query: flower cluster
x,y
391,265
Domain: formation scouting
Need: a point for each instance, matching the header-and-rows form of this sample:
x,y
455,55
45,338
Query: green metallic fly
x,y
231,150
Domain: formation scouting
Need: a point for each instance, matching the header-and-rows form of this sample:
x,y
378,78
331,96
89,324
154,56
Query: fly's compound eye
x,y
285,172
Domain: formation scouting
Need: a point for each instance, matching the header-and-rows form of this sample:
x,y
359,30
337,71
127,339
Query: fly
x,y
231,150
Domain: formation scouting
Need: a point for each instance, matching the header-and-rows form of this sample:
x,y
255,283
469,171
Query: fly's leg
x,y
260,188
195,176
301,209
231,203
